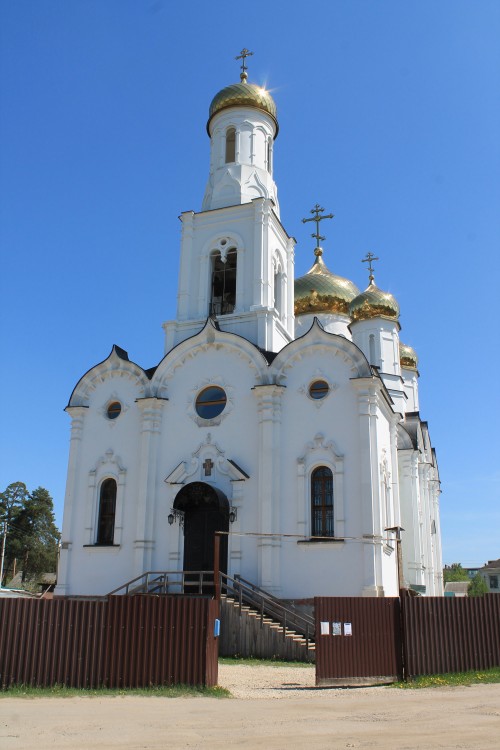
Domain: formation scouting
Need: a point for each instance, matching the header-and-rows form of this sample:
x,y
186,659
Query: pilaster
x,y
411,517
438,554
427,553
369,470
396,504
77,414
151,410
269,415
186,269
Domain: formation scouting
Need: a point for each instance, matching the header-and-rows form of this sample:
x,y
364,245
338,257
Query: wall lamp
x,y
233,514
176,515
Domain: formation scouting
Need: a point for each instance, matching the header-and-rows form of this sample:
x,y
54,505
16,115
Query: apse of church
x,y
284,413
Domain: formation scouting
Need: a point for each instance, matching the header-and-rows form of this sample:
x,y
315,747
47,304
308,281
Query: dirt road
x,y
280,709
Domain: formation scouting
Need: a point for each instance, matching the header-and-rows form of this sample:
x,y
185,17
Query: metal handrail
x,y
268,605
167,582
243,591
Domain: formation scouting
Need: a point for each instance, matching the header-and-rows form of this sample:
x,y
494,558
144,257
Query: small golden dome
x,y
373,303
322,291
407,357
243,95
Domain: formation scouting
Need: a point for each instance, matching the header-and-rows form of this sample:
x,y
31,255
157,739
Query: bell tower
x,y
242,126
236,257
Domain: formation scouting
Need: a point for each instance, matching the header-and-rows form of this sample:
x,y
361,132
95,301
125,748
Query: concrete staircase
x,y
246,632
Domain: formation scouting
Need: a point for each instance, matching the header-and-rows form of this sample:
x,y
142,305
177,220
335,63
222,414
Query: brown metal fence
x,y
382,640
357,640
450,634
133,641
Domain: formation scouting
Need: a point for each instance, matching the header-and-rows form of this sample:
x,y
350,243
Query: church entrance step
x,y
246,631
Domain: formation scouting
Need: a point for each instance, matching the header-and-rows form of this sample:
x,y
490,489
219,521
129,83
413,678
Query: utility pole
x,y
4,539
399,556
217,566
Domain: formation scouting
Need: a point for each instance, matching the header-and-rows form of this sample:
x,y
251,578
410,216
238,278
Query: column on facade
x,y
396,504
234,541
438,553
269,497
370,481
411,517
289,273
77,414
151,417
260,272
186,268
425,521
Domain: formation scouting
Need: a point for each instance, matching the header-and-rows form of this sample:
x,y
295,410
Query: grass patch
x,y
453,679
252,662
160,691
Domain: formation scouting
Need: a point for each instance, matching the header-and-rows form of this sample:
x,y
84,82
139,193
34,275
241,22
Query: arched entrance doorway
x,y
206,510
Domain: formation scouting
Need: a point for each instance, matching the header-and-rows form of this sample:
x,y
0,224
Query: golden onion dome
x,y
373,303
407,357
322,291
243,95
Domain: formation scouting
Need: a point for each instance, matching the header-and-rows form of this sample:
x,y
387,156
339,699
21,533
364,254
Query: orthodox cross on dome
x,y
317,211
242,56
369,258
208,465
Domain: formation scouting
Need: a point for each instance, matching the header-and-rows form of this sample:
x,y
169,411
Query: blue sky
x,y
389,116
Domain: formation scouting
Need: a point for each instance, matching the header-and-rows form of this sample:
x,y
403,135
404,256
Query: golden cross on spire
x,y
368,259
317,211
242,56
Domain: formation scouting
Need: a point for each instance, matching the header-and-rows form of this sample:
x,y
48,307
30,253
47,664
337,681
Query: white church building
x,y
284,411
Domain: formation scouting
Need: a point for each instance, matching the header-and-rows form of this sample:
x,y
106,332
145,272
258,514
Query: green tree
x,y
454,572
12,500
11,503
478,586
32,535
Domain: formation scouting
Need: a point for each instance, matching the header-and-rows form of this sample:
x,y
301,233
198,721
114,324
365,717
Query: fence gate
x,y
358,641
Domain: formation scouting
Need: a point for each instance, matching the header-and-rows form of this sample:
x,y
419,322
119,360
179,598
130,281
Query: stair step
x,y
273,625
269,622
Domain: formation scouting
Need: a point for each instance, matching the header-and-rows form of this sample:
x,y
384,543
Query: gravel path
x,y
258,682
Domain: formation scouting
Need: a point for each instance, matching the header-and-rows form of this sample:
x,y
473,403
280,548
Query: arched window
x,y
107,510
371,344
223,293
270,155
278,281
322,502
230,145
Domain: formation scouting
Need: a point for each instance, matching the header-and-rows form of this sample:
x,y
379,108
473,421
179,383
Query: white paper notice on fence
x,y
325,628
347,628
336,628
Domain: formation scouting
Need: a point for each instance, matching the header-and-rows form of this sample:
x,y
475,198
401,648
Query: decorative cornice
x,y
191,466
116,365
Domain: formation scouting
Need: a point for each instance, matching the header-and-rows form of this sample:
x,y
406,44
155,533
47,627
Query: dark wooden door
x,y
206,510
200,525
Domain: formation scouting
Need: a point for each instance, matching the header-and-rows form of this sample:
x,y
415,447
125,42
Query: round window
x,y
114,410
210,402
319,389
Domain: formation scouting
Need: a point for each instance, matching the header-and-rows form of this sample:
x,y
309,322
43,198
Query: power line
x,y
306,537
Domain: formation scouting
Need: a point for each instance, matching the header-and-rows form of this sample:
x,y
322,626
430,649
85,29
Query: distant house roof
x,y
44,579
48,578
459,588
16,582
491,565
